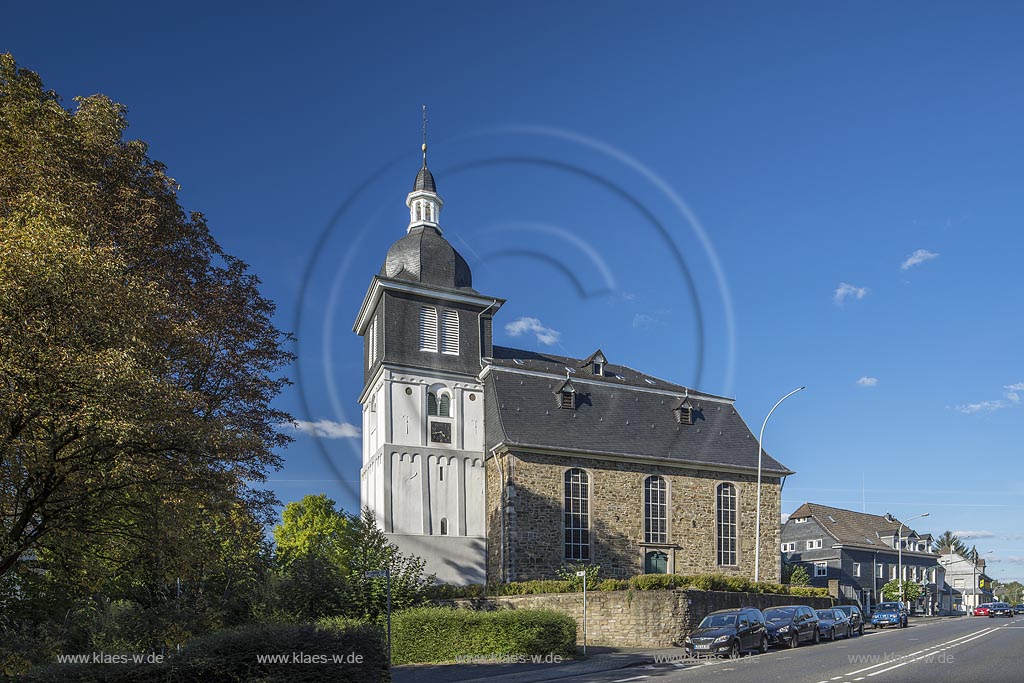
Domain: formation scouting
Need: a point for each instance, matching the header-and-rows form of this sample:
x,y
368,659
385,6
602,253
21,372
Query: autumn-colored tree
x,y
138,361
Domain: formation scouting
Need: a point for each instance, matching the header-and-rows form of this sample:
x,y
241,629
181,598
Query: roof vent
x,y
832,519
517,361
649,380
684,411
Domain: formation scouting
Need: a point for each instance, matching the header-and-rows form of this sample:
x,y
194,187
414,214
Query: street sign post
x,y
583,575
384,574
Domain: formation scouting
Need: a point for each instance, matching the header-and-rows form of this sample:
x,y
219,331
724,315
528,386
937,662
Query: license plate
x,y
701,647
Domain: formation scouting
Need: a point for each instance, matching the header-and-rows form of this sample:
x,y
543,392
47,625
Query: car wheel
x,y
817,635
734,651
860,630
794,641
832,635
764,645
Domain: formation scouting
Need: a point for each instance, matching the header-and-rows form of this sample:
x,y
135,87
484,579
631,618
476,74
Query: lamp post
x,y
974,581
899,551
760,452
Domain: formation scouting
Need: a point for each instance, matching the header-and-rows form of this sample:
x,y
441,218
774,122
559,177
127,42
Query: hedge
x,y
439,634
707,582
230,656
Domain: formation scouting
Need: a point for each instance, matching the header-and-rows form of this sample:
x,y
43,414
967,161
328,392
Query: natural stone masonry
x,y
532,544
634,618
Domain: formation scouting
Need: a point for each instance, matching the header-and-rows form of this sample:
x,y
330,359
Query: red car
x,y
982,609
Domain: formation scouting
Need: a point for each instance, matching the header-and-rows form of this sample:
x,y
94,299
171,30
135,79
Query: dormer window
x,y
568,399
684,412
598,368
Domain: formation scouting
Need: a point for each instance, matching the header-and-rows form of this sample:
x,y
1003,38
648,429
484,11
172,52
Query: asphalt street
x,y
944,651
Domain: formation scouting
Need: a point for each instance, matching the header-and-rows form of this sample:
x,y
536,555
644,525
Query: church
x,y
496,464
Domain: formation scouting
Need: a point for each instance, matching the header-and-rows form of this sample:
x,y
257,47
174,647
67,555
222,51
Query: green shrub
x,y
438,634
613,585
808,591
231,656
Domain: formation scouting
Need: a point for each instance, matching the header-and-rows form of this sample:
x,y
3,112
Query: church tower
x,y
426,333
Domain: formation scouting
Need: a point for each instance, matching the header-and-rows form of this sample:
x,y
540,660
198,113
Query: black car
x,y
833,623
1018,609
1000,609
856,618
790,624
729,632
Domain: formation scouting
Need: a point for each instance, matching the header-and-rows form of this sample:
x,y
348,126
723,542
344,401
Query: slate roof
x,y
853,528
612,416
425,257
424,180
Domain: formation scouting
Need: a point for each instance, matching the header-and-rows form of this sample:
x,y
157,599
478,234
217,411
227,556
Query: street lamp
x,y
899,551
760,452
974,573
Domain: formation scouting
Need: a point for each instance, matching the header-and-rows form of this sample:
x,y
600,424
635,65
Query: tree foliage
x,y
911,591
138,361
949,542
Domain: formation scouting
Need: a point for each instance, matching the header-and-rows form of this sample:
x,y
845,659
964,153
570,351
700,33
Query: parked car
x,y
729,632
790,624
889,614
1018,609
833,623
856,618
982,609
1000,609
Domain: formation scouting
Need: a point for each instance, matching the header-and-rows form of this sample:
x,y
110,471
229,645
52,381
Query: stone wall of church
x,y
534,547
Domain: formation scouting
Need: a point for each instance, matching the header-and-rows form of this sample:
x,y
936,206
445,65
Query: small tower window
x,y
598,367
450,332
431,403
444,526
444,406
419,211
428,329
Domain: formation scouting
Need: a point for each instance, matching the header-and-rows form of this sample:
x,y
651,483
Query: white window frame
x,y
655,509
820,569
880,570
727,524
576,515
856,569
814,544
789,547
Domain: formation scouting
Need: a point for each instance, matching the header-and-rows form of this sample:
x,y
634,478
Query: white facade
x,y
428,496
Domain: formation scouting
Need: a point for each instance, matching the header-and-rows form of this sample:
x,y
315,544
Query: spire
x,y
423,202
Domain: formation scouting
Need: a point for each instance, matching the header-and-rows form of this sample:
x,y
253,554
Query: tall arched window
x,y
444,526
431,403
577,515
726,524
655,510
445,406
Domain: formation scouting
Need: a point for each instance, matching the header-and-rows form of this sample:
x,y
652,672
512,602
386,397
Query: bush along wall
x,y
438,634
290,653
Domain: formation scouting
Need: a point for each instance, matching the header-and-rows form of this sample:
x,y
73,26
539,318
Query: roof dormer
x,y
566,394
595,363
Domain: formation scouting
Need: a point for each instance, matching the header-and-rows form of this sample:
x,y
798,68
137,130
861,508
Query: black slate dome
x,y
424,256
424,180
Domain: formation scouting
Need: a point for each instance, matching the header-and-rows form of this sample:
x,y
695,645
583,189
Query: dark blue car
x,y
889,614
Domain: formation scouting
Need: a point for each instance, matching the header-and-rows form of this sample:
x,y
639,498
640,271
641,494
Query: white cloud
x,y
868,381
846,290
1019,386
545,335
983,407
964,535
1013,396
785,517
326,429
919,256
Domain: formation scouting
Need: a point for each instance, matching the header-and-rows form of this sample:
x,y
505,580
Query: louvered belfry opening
x,y
428,328
568,399
450,332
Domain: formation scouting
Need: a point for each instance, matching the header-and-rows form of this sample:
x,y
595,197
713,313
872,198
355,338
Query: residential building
x,y
967,585
859,553
498,464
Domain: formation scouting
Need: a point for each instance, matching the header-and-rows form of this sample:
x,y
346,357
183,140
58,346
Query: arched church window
x,y
445,406
431,403
444,526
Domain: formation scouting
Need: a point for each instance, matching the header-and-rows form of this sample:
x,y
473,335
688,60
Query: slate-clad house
x,y
497,464
859,551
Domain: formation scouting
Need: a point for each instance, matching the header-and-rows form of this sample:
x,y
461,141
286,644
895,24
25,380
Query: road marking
x,y
932,654
634,678
913,654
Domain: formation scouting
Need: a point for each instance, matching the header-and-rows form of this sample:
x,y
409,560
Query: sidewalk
x,y
598,659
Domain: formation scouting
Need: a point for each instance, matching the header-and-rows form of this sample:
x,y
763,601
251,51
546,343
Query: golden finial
x,y
424,135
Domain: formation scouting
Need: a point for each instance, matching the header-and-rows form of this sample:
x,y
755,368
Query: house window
x,y
444,406
655,510
799,520
856,569
820,569
431,403
958,583
577,515
598,368
450,333
444,526
892,572
789,547
726,519
814,544
880,571
428,329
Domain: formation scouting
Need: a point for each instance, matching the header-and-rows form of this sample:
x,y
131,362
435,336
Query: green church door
x,y
655,562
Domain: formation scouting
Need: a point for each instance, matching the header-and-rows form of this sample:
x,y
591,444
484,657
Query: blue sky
x,y
840,183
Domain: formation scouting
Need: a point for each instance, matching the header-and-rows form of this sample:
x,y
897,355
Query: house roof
x,y
853,528
613,416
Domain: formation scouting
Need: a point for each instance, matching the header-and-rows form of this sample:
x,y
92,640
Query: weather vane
x,y
424,135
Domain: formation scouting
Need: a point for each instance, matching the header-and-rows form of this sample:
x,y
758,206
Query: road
x,y
974,649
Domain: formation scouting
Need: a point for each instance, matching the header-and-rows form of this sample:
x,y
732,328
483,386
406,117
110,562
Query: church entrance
x,y
655,562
